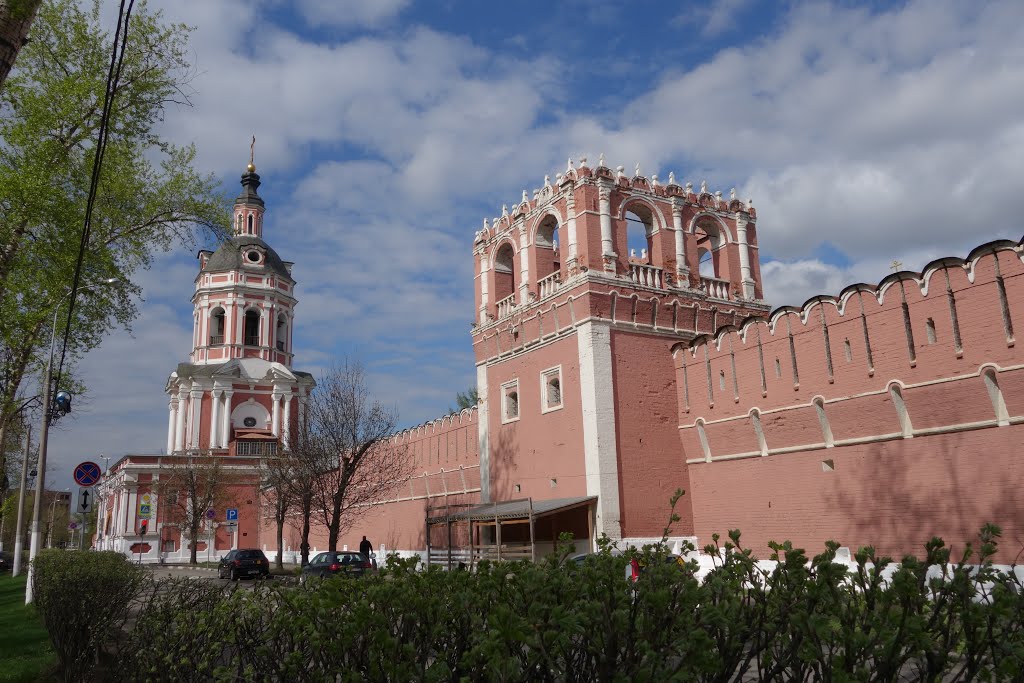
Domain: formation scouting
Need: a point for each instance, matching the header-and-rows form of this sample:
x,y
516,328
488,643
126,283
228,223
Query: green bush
x,y
806,619
83,598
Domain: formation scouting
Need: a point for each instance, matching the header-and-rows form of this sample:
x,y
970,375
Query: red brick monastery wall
x,y
444,468
883,416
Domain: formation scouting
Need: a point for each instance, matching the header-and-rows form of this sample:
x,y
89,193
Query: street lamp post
x,y
44,436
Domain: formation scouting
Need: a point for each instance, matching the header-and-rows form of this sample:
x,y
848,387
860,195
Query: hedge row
x,y
805,619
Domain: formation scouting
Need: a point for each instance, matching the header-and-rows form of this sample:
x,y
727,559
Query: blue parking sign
x,y
232,515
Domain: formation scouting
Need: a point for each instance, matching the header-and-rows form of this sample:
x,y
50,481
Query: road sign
x,y
232,515
210,514
85,500
145,511
87,474
72,525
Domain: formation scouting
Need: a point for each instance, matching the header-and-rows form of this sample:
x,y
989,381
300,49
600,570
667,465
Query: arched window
x,y
504,276
762,443
702,435
639,231
252,328
547,257
281,333
251,230
217,320
710,241
238,224
995,394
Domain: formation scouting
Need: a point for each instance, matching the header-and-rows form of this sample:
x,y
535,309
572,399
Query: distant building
x,y
237,399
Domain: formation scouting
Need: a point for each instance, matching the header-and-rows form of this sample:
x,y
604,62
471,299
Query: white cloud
x,y
350,13
893,135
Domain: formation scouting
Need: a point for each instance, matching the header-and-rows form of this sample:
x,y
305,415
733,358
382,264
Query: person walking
x,y
365,547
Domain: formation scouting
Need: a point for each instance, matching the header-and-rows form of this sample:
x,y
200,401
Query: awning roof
x,y
511,509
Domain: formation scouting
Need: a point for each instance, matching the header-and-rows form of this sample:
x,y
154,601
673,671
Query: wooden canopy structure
x,y
459,535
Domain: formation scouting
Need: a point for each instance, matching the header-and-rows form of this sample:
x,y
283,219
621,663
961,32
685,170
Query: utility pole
x,y
18,531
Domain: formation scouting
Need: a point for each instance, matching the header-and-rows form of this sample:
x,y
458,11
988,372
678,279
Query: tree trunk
x,y
334,528
307,511
279,513
15,21
194,531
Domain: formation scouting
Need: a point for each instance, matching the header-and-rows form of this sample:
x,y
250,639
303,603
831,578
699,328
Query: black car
x,y
6,561
341,562
246,562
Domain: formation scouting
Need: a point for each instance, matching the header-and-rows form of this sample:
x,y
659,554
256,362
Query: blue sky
x,y
387,130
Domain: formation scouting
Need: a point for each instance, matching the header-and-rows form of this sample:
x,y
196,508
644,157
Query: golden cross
x,y
252,148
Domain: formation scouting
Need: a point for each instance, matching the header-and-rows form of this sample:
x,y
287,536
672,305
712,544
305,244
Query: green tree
x,y
467,399
149,199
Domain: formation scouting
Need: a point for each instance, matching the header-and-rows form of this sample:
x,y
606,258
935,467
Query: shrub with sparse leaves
x,y
83,598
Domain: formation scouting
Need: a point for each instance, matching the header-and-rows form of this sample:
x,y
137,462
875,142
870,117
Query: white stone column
x,y
275,419
226,416
741,237
287,431
215,418
682,270
172,415
524,267
179,428
570,211
605,207
484,296
599,447
195,421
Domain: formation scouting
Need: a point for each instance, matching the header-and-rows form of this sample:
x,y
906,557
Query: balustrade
x,y
549,284
216,339
506,305
647,276
715,288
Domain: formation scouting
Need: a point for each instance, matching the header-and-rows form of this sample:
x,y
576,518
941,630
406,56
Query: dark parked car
x,y
6,561
330,564
247,562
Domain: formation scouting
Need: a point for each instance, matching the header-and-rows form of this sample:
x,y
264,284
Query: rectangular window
x,y
551,389
510,401
256,448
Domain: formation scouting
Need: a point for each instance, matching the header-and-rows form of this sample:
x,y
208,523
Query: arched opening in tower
x,y
281,334
639,234
217,327
504,274
710,241
252,328
549,261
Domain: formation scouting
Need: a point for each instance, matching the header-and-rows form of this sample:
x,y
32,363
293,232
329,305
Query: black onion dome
x,y
232,255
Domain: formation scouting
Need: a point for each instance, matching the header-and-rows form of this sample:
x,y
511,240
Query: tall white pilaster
x,y
600,458
570,210
524,267
605,208
172,414
179,427
196,405
215,418
484,296
682,270
225,433
287,431
275,420
741,237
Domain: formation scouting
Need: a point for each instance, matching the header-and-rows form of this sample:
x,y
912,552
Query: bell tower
x,y
582,291
238,381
